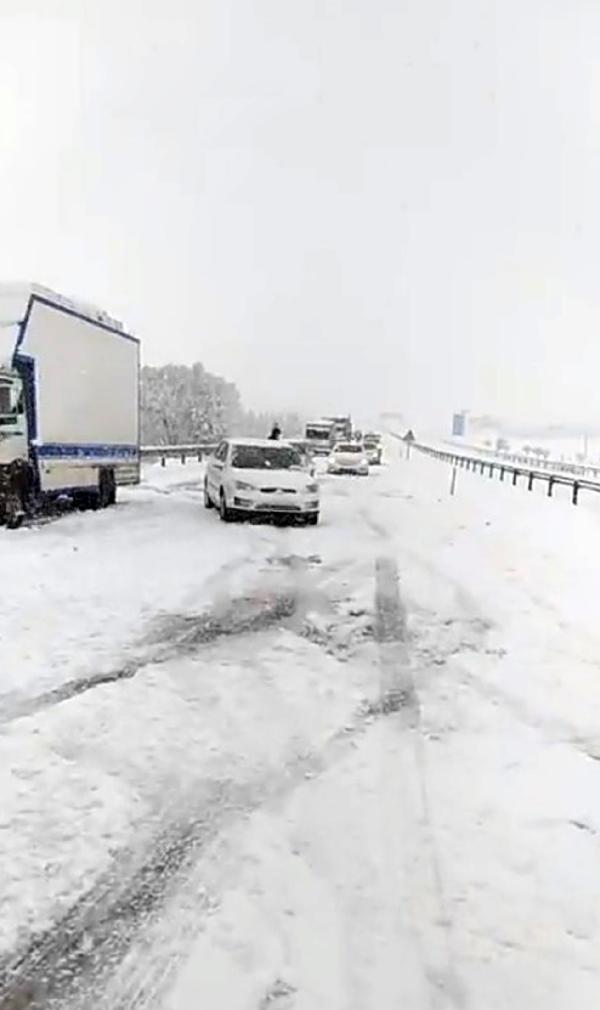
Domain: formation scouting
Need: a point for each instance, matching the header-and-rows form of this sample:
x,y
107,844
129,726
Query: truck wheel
x,y
82,500
15,511
18,497
107,489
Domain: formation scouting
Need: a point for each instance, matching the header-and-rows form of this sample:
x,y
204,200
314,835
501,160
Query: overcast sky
x,y
336,203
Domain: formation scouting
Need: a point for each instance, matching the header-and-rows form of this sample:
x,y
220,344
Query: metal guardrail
x,y
195,452
478,464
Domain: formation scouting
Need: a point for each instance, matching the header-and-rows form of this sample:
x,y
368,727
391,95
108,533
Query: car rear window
x,y
263,457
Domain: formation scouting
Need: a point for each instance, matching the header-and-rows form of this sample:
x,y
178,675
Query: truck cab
x,y
13,421
15,472
342,425
318,437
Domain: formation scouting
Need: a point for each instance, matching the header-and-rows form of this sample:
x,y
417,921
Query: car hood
x,y
296,479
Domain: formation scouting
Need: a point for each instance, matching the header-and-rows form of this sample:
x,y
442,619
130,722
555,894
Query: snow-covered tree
x,y
186,404
181,403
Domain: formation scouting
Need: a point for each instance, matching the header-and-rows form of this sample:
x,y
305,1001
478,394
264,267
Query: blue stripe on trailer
x,y
59,450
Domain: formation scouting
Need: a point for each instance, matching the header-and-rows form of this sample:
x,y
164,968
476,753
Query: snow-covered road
x,y
208,800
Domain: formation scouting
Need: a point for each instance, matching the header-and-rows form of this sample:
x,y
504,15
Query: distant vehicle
x,y
342,426
256,477
319,436
69,402
372,444
348,457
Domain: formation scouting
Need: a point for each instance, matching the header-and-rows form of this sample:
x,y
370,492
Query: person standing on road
x,y
275,432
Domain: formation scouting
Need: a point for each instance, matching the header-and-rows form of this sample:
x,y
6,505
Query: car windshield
x,y
265,457
348,447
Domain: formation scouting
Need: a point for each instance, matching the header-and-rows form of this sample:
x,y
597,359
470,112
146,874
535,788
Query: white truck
x,y
69,403
318,437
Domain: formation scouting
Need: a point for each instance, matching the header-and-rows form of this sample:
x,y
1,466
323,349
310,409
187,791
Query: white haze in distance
x,y
339,205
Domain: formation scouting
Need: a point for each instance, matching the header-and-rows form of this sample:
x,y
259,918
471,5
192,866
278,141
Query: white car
x,y
253,476
348,457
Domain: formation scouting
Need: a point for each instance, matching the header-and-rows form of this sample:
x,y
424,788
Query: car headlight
x,y
241,485
312,488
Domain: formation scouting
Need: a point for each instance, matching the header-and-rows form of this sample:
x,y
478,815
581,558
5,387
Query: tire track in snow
x,y
397,685
68,966
398,694
88,944
178,635
182,634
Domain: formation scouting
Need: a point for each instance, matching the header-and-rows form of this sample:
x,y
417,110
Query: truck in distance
x,y
69,403
372,444
319,437
342,426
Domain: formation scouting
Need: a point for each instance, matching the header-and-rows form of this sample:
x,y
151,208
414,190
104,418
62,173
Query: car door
x,y
215,470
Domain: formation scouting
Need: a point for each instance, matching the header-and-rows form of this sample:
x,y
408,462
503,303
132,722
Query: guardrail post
x,y
453,480
550,486
182,458
491,473
515,477
575,491
501,473
530,481
163,460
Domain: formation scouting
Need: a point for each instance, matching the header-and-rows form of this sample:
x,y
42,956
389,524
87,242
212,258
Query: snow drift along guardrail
x,y
503,469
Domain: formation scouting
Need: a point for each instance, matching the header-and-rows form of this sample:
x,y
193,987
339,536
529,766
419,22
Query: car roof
x,y
259,441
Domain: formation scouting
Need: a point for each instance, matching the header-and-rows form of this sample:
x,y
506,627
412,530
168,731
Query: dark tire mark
x,y
397,686
70,963
177,635
390,625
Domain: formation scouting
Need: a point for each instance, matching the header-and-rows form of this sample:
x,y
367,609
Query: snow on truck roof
x,y
14,299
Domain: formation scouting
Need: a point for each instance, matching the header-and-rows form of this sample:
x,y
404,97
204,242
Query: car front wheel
x,y
208,502
312,519
224,512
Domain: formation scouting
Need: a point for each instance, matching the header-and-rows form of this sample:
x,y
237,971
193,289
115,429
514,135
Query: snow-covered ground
x,y
284,843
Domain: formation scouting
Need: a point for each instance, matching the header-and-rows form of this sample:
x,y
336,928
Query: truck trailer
x,y
69,403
